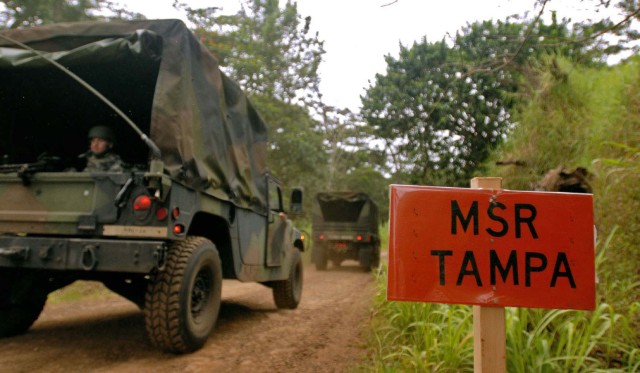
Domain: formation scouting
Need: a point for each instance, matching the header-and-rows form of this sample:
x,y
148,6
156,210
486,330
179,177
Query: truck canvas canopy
x,y
155,71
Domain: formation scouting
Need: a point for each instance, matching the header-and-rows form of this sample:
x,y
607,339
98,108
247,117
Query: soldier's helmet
x,y
102,132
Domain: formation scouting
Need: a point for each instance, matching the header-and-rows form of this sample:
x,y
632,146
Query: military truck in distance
x,y
345,226
194,205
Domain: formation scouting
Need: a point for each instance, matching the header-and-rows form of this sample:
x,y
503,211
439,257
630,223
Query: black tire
x,y
183,301
287,293
22,299
376,258
321,260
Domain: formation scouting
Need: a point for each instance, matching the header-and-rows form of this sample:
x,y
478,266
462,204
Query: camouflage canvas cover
x,y
155,71
345,209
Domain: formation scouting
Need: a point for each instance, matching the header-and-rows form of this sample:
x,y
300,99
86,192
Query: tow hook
x,y
89,257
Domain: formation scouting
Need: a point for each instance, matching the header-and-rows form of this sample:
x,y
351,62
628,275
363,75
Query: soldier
x,y
100,156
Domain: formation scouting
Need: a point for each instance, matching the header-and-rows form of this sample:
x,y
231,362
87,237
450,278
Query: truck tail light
x,y
142,206
142,203
162,213
359,237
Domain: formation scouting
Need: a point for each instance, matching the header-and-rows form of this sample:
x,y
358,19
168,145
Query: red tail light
x,y
322,236
359,237
142,203
162,213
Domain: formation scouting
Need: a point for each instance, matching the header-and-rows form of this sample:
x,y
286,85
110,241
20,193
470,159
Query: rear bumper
x,y
74,254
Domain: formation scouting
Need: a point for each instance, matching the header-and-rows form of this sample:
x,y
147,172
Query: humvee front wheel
x,y
182,301
287,293
21,302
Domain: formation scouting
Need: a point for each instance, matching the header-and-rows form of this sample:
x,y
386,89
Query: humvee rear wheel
x,y
287,293
182,301
21,302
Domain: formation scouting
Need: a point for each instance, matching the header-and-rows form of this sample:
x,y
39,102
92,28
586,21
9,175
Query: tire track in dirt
x,y
325,333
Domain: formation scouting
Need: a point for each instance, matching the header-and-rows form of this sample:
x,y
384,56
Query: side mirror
x,y
295,207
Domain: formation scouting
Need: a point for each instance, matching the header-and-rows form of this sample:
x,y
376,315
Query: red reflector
x,y
178,228
322,236
175,212
142,203
162,213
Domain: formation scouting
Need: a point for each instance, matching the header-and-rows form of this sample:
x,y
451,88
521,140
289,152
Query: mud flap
x,y
365,256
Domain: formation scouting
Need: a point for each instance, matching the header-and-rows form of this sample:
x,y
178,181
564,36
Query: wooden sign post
x,y
489,334
491,248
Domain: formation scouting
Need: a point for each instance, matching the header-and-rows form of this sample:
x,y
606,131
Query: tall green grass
x,y
589,118
420,337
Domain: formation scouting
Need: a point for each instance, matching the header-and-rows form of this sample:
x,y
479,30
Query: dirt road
x,y
325,334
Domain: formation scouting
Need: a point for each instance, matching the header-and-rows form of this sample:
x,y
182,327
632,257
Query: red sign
x,y
491,247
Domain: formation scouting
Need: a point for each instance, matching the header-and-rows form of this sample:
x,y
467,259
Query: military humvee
x,y
194,205
345,226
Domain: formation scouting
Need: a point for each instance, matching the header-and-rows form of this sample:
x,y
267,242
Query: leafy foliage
x,y
437,123
268,50
24,13
441,109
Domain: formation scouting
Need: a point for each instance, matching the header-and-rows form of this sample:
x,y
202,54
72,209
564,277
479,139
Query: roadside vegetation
x,y
578,117
531,92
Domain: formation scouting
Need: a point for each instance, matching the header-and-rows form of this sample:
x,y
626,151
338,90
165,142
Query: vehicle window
x,y
275,197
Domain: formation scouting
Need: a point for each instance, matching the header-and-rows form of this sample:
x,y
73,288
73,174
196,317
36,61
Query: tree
x,y
25,13
296,153
265,48
437,124
347,142
441,109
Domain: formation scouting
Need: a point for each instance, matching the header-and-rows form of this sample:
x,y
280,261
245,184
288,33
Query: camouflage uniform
x,y
108,162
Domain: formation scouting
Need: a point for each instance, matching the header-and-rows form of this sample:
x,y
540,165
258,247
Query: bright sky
x,y
359,33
